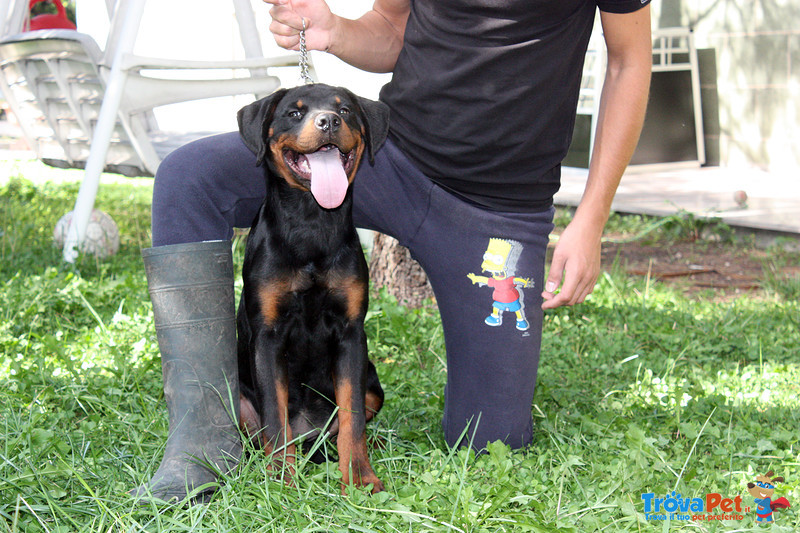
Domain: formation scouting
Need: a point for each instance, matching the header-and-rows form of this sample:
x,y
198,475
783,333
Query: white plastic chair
x,y
79,106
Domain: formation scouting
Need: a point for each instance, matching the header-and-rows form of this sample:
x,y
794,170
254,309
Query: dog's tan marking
x,y
359,152
286,450
354,290
345,441
310,137
373,404
277,146
275,441
271,296
352,442
350,289
273,293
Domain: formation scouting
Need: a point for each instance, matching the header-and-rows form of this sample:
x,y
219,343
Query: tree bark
x,y
392,267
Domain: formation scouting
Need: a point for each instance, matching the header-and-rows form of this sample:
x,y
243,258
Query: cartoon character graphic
x,y
762,491
500,261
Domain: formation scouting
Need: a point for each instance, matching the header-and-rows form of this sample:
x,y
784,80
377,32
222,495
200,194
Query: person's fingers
x,y
287,18
285,26
577,281
565,296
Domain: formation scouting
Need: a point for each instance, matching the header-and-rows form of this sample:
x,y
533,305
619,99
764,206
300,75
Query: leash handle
x,y
306,77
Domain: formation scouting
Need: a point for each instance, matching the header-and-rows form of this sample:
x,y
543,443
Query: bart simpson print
x,y
500,261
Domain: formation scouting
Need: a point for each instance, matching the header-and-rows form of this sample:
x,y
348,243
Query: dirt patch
x,y
693,266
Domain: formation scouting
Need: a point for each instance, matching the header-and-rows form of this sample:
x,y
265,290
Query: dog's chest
x,y
312,298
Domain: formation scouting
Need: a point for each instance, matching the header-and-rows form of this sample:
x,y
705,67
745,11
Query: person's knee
x,y
187,199
180,174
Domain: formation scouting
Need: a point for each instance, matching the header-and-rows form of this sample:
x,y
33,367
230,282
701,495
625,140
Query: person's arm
x,y
371,42
575,266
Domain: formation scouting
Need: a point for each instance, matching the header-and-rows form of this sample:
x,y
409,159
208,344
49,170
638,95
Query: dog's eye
x,y
294,113
344,110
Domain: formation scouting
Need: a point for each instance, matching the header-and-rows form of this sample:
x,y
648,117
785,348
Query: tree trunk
x,y
392,267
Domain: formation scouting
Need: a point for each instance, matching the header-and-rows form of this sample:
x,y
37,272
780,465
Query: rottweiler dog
x,y
301,344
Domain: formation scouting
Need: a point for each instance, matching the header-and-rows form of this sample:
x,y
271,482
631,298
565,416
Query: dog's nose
x,y
328,122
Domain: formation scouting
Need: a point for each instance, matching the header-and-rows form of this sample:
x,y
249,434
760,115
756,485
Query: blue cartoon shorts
x,y
510,307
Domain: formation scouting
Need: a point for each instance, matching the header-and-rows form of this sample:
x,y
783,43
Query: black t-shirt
x,y
484,94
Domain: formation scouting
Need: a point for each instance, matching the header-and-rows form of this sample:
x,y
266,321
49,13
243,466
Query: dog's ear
x,y
376,122
254,120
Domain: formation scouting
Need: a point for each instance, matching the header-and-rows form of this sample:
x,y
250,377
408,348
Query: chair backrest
x,y
51,81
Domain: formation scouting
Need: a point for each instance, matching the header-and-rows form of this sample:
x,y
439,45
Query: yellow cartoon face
x,y
496,256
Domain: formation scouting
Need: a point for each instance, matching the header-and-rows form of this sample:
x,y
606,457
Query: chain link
x,y
304,73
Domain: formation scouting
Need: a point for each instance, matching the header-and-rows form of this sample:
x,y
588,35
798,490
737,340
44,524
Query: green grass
x,y
640,390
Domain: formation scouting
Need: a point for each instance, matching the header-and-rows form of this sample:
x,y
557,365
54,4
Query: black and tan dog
x,y
302,347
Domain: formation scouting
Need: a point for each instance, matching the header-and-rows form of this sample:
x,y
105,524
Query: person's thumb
x,y
555,274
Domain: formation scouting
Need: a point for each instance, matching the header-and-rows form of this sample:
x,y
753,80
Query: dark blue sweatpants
x,y
486,267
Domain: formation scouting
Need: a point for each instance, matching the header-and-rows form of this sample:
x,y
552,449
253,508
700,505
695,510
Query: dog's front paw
x,y
362,476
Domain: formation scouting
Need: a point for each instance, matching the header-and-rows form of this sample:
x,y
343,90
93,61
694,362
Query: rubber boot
x,y
191,287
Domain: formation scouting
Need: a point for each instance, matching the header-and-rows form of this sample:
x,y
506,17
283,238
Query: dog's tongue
x,y
328,179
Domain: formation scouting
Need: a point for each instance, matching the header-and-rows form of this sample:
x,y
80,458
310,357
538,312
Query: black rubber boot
x,y
191,287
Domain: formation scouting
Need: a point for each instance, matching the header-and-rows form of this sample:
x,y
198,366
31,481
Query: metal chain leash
x,y
304,74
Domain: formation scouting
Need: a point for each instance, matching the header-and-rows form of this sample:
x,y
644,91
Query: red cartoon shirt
x,y
504,290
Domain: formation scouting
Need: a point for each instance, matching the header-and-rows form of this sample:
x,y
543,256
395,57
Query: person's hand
x,y
287,21
575,266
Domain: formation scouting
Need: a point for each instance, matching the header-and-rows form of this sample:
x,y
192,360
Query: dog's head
x,y
314,136
764,486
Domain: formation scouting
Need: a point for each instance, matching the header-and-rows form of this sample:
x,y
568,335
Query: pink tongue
x,y
328,179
